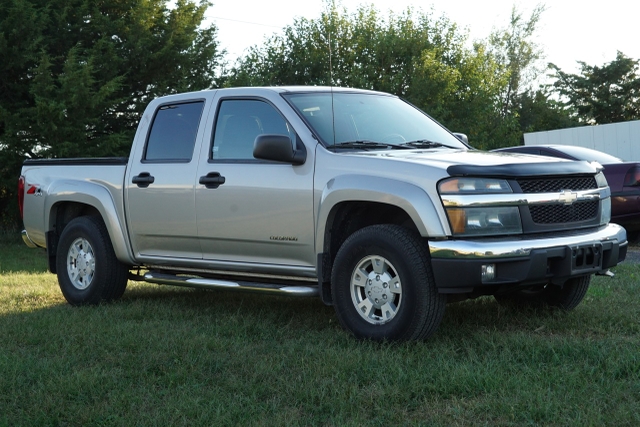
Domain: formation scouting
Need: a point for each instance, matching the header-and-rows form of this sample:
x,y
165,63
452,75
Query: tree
x,y
538,111
599,95
514,48
77,74
413,55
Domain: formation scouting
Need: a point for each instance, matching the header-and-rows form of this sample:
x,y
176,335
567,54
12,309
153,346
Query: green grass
x,y
174,356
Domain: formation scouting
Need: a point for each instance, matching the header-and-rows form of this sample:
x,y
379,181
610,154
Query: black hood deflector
x,y
525,169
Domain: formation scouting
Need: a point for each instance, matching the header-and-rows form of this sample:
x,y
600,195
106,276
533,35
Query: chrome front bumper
x,y
520,261
492,248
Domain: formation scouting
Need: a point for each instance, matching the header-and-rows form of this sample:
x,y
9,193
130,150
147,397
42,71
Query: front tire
x,y
87,267
383,287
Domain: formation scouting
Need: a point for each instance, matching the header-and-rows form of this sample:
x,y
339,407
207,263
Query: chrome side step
x,y
200,282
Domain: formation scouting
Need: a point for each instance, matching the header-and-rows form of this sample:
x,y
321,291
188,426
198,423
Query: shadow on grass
x,y
301,314
483,315
462,320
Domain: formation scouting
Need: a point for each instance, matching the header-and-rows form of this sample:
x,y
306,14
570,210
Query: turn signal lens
x,y
605,211
457,218
601,180
632,178
449,186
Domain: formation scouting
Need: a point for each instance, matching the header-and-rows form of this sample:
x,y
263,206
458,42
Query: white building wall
x,y
618,139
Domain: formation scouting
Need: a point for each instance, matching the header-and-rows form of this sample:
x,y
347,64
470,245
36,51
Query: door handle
x,y
212,180
143,180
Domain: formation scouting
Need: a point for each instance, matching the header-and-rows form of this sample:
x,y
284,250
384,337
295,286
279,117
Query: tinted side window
x,y
173,132
239,122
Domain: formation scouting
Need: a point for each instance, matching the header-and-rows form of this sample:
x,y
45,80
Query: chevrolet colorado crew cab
x,y
353,196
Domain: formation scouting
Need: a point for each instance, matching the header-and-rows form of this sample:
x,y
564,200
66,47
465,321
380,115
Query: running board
x,y
199,282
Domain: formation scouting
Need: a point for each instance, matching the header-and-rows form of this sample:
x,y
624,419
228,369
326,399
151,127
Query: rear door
x,y
161,183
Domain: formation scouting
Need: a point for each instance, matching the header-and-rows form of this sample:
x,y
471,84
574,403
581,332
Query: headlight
x,y
473,185
486,220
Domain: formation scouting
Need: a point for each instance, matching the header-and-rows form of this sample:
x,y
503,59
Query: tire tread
x,y
113,275
430,310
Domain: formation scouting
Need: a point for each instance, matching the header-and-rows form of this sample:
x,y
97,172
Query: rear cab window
x,y
173,132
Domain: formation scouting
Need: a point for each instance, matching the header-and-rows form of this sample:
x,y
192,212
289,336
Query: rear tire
x,y
88,270
383,287
566,297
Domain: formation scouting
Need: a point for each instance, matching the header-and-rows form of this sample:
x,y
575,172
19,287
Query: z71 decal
x,y
35,190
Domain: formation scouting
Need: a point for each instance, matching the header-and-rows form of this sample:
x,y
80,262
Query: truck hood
x,y
483,163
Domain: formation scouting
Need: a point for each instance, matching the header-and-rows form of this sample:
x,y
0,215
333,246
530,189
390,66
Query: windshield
x,y
369,120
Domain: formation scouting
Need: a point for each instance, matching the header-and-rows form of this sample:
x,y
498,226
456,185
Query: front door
x,y
253,211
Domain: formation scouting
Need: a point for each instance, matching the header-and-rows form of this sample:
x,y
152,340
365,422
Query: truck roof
x,y
256,90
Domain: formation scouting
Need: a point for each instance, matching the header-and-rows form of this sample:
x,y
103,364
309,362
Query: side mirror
x,y
278,148
462,137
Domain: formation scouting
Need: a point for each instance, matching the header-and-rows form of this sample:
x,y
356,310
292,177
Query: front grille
x,y
554,185
563,214
558,216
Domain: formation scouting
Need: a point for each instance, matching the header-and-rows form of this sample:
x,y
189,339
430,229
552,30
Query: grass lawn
x,y
175,356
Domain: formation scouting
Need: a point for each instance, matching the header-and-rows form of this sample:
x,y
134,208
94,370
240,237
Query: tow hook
x,y
607,273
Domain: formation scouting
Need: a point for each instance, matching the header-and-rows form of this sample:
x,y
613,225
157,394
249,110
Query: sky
x,y
569,30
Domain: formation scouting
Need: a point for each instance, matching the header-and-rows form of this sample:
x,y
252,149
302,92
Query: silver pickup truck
x,y
353,196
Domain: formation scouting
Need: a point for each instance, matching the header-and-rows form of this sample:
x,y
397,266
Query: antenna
x,y
330,63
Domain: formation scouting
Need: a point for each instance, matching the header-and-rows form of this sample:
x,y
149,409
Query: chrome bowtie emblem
x,y
568,197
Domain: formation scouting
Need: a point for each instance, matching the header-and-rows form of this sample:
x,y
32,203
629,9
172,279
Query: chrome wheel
x,y
376,290
382,285
88,270
81,263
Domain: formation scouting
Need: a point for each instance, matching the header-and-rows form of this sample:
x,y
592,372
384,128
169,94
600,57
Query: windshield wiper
x,y
366,144
423,143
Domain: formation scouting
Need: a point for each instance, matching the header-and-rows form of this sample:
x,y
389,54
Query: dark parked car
x,y
623,178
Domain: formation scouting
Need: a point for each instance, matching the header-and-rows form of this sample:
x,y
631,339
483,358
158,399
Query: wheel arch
x,y
360,189
69,200
352,202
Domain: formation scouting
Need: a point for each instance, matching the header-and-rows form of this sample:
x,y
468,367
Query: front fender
x,y
408,197
97,196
